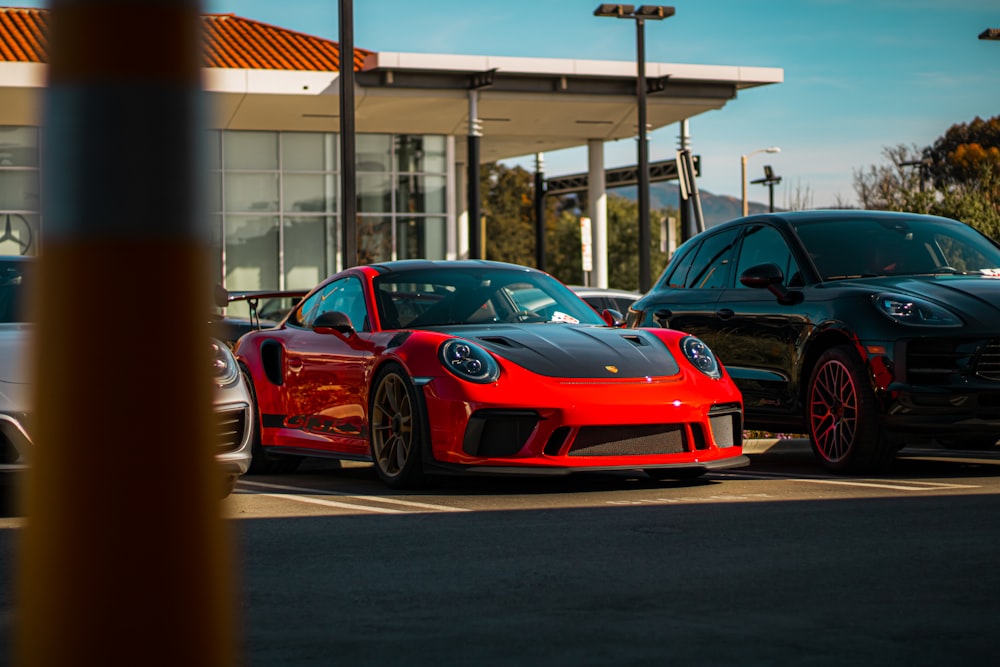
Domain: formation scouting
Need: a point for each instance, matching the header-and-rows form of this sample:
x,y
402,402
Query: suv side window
x,y
710,269
764,244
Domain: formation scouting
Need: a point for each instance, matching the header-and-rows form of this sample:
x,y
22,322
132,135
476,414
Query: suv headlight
x,y
469,361
701,357
914,310
224,368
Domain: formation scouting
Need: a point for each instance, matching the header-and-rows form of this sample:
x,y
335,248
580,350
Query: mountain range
x,y
714,208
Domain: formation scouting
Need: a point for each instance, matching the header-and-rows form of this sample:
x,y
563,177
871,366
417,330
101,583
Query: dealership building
x,y
273,172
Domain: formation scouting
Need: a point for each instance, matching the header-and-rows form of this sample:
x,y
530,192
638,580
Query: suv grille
x,y
988,362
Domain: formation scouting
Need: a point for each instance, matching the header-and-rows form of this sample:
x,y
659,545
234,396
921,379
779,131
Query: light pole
x,y
743,167
770,180
639,15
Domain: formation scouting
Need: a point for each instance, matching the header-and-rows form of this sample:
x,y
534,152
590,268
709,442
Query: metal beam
x,y
665,170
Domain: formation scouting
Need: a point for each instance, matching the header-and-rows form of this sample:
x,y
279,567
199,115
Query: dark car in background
x,y
866,330
606,298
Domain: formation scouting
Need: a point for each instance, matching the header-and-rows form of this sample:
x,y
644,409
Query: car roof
x,y
419,264
793,218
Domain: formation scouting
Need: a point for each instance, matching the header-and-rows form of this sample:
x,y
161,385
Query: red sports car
x,y
482,367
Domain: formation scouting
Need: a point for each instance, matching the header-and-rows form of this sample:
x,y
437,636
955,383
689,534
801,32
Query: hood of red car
x,y
571,351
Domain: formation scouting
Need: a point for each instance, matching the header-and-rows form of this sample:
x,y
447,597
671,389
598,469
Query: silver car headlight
x,y
469,361
224,369
914,310
701,357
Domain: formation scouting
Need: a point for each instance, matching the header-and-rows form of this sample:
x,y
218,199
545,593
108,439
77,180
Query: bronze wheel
x,y
396,425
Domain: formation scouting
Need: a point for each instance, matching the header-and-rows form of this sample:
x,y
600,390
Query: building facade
x,y
272,176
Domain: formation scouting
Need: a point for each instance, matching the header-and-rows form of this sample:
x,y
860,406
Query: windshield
x,y
879,247
13,294
475,295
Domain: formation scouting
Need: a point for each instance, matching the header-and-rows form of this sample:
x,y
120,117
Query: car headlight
x,y
701,357
914,310
469,361
224,368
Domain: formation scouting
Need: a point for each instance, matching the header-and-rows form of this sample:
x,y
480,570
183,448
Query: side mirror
x,y
613,318
333,321
770,276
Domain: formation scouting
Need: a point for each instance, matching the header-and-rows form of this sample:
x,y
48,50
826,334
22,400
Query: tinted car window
x,y
862,247
12,291
345,295
763,244
678,269
710,269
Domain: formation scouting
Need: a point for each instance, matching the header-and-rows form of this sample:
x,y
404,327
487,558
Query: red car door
x,y
326,373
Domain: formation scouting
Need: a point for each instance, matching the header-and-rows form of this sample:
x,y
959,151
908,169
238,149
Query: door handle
x,y
294,364
724,313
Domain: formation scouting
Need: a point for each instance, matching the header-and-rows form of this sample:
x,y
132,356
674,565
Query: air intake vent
x,y
630,440
988,362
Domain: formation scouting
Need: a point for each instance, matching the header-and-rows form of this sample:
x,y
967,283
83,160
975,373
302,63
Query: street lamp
x,y
639,15
770,180
743,167
990,34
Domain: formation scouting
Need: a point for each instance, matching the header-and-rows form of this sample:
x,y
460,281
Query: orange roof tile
x,y
230,41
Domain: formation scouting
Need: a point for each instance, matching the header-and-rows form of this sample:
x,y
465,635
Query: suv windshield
x,y
872,247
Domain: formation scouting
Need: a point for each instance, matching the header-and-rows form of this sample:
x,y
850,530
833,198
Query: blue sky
x,y
860,75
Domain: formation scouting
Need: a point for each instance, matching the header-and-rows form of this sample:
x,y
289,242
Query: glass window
x,y
415,153
374,239
402,208
251,150
308,151
305,242
251,192
344,296
19,190
307,192
374,153
421,194
763,244
374,193
18,146
251,253
710,269
677,270
420,238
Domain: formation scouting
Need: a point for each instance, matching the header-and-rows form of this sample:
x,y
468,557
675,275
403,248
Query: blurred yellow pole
x,y
125,558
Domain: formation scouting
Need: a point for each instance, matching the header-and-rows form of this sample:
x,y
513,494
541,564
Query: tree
x,y
509,210
956,177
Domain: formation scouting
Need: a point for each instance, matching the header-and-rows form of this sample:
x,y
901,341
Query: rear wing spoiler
x,y
224,297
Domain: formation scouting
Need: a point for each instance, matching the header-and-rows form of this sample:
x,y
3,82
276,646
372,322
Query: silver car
x,y
234,418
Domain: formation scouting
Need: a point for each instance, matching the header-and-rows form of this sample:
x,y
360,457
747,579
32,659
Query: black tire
x,y
396,428
842,415
261,462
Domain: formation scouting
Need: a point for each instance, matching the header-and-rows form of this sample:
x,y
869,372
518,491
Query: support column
x,y
474,201
125,558
539,211
597,204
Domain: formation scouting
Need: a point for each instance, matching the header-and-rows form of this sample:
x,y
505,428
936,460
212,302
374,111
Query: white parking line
x,y
299,491
907,485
